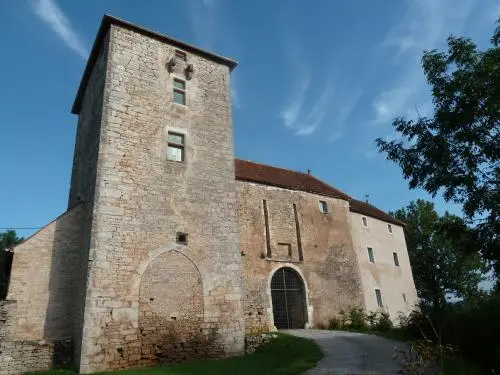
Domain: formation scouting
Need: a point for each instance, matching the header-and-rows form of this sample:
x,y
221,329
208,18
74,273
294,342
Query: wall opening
x,y
171,311
288,299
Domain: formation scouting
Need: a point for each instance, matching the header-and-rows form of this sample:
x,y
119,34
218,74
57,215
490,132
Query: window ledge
x,y
178,105
173,162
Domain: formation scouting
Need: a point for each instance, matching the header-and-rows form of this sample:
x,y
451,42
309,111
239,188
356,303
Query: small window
x,y
404,297
378,294
176,147
323,207
365,222
179,91
396,259
182,238
389,228
371,258
179,55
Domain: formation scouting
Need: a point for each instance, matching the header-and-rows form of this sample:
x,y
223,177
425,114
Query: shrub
x,y
334,323
322,325
357,319
371,319
383,322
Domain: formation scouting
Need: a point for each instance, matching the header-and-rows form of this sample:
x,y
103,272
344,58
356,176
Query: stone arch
x,y
171,310
308,309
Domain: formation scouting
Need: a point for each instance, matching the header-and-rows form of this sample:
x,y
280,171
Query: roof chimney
x,y
308,171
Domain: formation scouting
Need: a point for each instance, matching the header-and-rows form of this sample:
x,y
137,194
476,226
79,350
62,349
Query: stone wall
x,y
329,268
84,175
172,284
253,342
17,357
43,282
142,200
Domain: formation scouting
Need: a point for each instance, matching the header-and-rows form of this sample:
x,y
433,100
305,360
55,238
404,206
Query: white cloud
x,y
50,13
202,15
291,112
345,103
425,25
235,97
305,122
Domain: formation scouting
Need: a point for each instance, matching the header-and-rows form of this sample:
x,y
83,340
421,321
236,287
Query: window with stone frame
x,y
323,207
371,257
364,220
179,55
396,259
179,91
176,147
378,295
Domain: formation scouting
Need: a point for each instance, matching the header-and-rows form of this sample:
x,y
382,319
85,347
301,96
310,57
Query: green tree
x,y
457,151
8,240
442,264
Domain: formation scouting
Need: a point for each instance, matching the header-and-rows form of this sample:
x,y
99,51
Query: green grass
x,y
284,355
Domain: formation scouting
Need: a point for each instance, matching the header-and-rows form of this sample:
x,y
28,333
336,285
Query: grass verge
x,y
285,355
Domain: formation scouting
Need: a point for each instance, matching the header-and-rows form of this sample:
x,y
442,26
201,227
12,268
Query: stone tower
x,y
154,166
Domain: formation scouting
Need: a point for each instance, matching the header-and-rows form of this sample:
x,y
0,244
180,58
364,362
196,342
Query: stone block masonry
x,y
142,200
37,319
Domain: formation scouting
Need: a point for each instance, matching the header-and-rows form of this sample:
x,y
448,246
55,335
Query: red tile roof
x,y
367,209
284,178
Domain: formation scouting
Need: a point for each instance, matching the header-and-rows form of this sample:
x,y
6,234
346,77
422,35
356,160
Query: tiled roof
x,y
284,178
367,209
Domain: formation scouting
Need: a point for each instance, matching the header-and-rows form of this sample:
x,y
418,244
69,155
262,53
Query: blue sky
x,y
315,86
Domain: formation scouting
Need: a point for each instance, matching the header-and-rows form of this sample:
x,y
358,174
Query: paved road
x,y
349,353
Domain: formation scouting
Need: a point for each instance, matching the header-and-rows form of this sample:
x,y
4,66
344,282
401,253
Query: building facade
x,y
172,249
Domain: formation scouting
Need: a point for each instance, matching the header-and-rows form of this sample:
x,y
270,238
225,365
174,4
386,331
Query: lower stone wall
x,y
18,357
252,342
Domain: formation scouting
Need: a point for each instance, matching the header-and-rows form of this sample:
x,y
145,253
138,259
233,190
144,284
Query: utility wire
x,y
19,228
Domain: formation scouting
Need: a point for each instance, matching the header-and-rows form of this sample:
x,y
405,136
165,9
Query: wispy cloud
x,y
425,25
316,116
295,115
346,102
291,112
49,12
202,15
235,96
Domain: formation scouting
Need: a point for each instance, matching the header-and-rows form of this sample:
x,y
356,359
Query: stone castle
x,y
171,248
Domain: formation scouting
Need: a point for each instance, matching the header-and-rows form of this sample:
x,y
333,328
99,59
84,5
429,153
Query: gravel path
x,y
349,353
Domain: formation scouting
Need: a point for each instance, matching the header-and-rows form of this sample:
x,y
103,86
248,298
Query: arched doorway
x,y
288,298
171,310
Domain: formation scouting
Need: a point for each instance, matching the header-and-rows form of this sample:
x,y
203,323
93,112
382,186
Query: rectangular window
x,y
323,207
365,222
176,147
396,259
371,258
378,294
179,55
389,228
404,297
179,91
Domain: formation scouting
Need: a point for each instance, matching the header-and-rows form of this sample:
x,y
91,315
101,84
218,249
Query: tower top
x,y
109,20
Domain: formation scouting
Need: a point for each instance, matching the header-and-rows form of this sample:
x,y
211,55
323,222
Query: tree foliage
x,y
442,263
457,151
8,240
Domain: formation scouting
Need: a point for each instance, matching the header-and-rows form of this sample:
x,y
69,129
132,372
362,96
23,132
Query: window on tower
x,y
176,147
179,91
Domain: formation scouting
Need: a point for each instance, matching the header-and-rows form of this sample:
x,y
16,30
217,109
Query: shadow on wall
x,y
66,285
